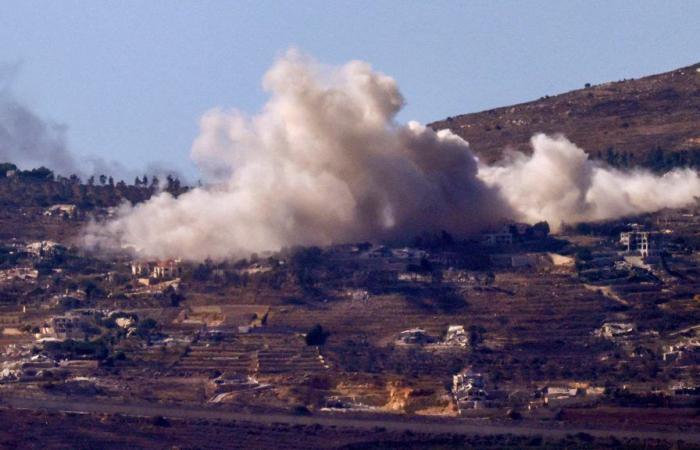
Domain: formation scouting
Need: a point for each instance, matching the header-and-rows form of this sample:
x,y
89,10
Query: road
x,y
416,425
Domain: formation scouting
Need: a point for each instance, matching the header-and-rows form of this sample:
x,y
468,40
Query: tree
x,y
6,167
201,273
303,262
145,327
316,335
103,179
42,173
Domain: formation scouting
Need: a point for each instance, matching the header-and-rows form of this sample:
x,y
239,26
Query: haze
x,y
130,80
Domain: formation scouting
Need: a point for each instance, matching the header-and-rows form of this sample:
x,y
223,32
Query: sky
x,y
130,79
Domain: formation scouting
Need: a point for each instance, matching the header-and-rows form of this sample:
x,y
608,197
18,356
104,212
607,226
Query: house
x,y
415,277
167,269
468,390
464,277
10,324
44,248
517,260
500,238
409,253
685,350
256,268
164,269
61,210
414,336
66,327
558,394
612,330
456,336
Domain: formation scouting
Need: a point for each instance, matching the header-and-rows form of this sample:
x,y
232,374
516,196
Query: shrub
x,y
316,336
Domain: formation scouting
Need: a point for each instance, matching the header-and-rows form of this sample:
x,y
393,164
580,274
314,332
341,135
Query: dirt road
x,y
452,426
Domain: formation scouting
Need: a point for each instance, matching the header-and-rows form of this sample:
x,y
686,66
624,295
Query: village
x,y
513,323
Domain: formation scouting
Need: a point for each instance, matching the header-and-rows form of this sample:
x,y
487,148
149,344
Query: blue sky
x,y
130,79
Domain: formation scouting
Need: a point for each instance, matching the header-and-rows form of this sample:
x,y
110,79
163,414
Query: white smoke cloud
x,y
325,162
560,184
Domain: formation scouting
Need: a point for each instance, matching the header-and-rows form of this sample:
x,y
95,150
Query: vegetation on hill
x,y
41,187
648,122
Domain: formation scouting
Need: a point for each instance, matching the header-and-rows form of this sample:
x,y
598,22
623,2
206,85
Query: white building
x,y
644,243
165,269
457,336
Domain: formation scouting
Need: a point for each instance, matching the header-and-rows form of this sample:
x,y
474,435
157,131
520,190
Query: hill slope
x,y
652,121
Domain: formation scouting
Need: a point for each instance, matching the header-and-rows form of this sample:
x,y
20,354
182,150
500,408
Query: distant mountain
x,y
652,121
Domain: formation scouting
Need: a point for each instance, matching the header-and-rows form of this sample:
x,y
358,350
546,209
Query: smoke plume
x,y
560,184
30,141
325,162
25,139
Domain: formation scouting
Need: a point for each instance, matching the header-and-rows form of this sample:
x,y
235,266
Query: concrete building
x,y
644,243
164,269
457,336
468,390
66,327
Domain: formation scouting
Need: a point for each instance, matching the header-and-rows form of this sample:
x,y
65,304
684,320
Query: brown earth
x,y
634,117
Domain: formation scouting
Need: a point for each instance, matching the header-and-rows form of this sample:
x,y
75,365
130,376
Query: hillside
x,y
652,121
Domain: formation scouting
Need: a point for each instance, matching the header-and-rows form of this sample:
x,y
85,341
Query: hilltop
x,y
651,121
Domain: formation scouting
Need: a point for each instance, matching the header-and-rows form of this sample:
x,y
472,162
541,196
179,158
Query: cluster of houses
x,y
685,349
469,393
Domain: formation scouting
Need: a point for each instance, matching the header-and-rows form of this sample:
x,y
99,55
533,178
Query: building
x,y
501,238
518,260
414,336
615,329
470,278
644,243
44,248
415,277
61,210
468,390
66,327
165,269
456,336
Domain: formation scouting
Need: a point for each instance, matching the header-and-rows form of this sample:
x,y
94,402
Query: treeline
x,y
42,187
657,160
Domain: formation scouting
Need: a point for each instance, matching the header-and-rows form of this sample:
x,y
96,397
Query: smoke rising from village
x,y
325,162
560,184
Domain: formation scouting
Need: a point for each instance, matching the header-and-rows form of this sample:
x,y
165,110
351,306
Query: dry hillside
x,y
652,121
